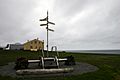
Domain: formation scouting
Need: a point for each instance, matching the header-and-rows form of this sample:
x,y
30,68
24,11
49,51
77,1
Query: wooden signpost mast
x,y
47,24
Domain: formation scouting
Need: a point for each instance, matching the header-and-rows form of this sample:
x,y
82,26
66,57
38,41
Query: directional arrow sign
x,y
51,23
50,29
45,19
43,24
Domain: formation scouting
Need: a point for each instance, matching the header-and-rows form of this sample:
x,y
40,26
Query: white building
x,y
16,46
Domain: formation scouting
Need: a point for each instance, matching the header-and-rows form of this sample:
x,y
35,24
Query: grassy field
x,y
109,65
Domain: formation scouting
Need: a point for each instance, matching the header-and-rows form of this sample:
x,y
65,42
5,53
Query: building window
x,y
31,42
31,47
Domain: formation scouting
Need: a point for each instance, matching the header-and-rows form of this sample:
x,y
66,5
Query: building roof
x,y
33,40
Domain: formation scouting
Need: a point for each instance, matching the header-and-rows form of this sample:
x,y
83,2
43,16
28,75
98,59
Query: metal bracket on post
x,y
42,60
42,52
57,63
55,50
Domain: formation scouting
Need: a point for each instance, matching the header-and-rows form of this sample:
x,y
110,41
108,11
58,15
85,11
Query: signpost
x,y
48,22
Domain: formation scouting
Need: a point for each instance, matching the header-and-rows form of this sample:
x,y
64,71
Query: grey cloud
x,y
80,24
100,28
13,17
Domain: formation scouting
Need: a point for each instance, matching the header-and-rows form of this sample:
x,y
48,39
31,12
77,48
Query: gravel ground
x,y
79,68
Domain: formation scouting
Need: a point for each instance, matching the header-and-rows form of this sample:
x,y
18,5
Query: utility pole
x,y
47,24
47,35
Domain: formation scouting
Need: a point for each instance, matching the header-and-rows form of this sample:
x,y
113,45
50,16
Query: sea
x,y
95,51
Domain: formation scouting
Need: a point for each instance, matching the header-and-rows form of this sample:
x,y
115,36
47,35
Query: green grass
x,y
109,65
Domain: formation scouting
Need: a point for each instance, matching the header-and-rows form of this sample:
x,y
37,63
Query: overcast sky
x,y
80,24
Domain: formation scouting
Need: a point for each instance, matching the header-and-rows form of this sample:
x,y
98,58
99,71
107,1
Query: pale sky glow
x,y
80,24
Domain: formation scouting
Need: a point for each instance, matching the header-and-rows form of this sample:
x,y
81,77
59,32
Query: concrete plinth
x,y
43,71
